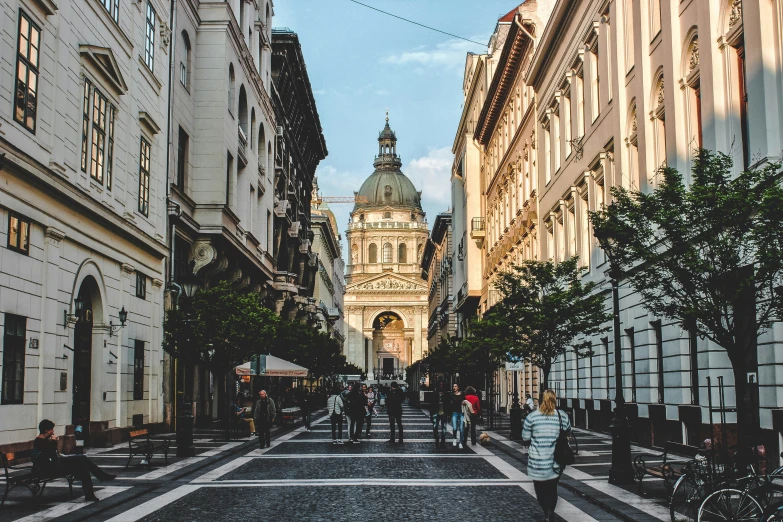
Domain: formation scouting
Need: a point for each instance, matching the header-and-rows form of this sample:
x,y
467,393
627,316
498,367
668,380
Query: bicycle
x,y
690,490
773,513
574,445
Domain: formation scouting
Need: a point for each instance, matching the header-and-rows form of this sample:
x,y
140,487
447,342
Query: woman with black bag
x,y
545,430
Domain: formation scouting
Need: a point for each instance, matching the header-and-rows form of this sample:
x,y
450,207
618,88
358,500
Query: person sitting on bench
x,y
48,461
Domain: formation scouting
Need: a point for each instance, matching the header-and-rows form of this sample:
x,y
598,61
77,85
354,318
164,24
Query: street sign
x,y
515,366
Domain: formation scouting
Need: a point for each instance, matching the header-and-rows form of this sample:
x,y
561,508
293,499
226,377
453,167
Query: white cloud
x,y
431,174
447,54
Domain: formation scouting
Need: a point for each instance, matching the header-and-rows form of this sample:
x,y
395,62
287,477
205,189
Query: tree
x,y
708,256
545,308
218,329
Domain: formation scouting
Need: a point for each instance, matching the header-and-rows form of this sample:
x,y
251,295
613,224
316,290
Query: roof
x,y
509,17
388,188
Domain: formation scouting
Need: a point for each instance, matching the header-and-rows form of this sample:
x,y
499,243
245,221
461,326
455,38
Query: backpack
x,y
564,455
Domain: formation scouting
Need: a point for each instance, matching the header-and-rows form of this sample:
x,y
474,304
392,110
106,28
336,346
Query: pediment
x,y
388,282
101,61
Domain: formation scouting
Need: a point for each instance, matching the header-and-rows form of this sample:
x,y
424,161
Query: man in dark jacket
x,y
394,408
439,414
264,415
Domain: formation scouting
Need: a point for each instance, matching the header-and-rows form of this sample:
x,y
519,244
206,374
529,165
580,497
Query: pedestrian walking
x,y
438,407
346,391
394,401
472,420
304,405
529,406
541,430
334,406
370,410
382,393
456,399
264,415
355,403
363,417
48,461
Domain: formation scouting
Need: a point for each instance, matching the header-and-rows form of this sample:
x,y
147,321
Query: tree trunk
x,y
743,399
546,369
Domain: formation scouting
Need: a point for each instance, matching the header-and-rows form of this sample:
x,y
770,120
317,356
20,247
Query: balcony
x,y
242,147
261,170
293,229
477,231
282,207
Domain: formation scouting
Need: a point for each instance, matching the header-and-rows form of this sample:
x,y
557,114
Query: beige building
x,y
329,289
83,97
637,85
437,270
386,298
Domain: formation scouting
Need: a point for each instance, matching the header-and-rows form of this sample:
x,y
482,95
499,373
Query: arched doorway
x,y
389,345
82,357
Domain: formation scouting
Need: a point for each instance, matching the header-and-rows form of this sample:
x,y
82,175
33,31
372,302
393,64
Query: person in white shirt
x,y
335,406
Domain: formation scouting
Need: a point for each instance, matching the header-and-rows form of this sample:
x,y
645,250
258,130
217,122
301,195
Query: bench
x,y
19,472
673,453
140,443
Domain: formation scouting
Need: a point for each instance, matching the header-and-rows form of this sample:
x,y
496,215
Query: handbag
x,y
564,455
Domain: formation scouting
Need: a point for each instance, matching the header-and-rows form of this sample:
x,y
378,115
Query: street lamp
x,y
189,284
621,471
114,328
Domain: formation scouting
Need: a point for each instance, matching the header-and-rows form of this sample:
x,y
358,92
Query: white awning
x,y
275,367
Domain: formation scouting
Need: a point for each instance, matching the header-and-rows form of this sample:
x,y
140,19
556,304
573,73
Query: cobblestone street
x,y
303,476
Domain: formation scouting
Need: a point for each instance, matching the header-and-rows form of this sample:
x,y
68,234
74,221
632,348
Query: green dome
x,y
388,188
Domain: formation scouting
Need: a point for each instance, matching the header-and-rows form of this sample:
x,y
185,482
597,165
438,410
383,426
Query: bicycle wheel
x,y
731,505
572,443
768,493
686,498
774,513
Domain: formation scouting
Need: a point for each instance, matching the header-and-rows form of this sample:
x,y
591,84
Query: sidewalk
x,y
588,477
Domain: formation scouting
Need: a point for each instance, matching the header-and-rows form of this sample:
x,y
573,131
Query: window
x,y
181,258
629,35
387,253
655,17
632,141
144,178
13,359
19,234
373,253
580,104
141,285
113,8
98,116
184,64
556,140
26,99
632,345
229,172
98,136
694,358
183,146
138,370
743,101
584,221
605,342
231,87
149,40
547,154
402,253
660,125
387,215
596,84
659,355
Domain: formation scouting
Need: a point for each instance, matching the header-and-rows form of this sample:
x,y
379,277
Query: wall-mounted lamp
x,y
74,318
114,328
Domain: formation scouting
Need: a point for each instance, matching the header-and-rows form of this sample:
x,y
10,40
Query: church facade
x,y
386,298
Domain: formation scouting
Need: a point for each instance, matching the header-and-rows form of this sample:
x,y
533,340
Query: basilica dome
x,y
387,186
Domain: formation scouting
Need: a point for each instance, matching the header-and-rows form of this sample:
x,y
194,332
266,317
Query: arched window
x,y
269,157
252,126
243,110
630,181
262,147
693,92
185,63
231,88
387,253
402,253
373,253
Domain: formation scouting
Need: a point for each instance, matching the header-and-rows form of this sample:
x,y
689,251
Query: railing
x,y
477,223
386,224
242,148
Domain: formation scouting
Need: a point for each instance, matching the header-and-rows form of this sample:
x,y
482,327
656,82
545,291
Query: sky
x,y
361,62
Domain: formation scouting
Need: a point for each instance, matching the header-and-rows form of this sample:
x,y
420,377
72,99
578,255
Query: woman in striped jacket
x,y
541,429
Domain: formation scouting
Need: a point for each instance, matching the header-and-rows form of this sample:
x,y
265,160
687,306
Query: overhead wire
x,y
416,23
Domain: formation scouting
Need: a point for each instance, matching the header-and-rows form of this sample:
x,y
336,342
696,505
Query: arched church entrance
x,y
82,347
389,345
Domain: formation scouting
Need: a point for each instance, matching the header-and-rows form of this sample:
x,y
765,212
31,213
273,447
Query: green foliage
x,y
706,255
303,345
545,308
693,253
219,328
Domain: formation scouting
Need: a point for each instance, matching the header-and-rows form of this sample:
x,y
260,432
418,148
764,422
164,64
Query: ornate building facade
x,y
386,298
437,270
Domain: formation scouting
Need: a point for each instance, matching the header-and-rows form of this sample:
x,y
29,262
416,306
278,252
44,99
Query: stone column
x,y
125,276
155,399
47,336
